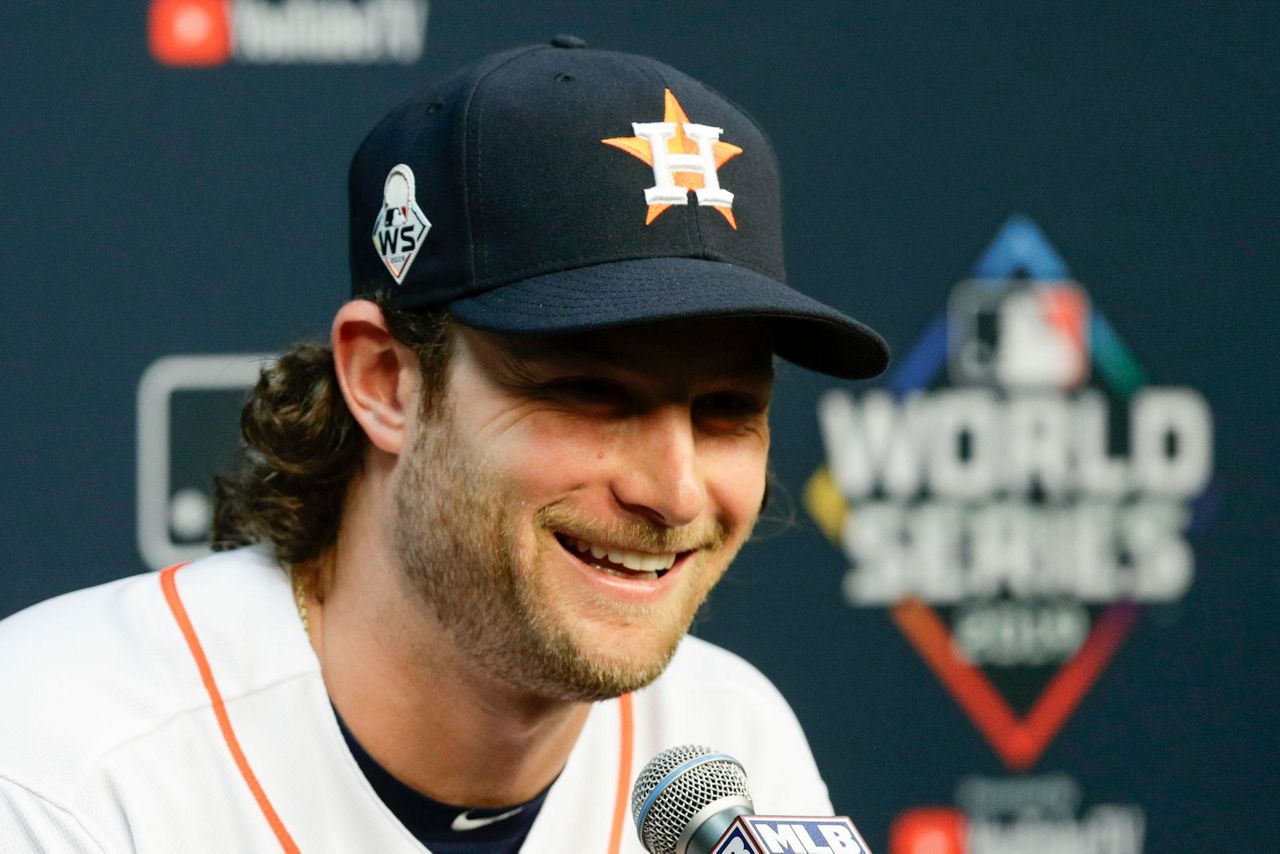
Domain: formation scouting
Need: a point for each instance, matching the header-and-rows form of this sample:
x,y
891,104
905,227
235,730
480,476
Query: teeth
x,y
637,561
628,574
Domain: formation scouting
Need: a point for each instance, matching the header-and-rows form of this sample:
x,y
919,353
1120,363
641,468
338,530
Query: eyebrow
x,y
516,350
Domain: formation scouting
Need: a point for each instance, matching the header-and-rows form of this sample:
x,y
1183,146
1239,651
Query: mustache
x,y
634,533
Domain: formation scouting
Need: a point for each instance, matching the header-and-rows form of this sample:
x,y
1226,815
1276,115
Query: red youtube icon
x,y
189,32
930,830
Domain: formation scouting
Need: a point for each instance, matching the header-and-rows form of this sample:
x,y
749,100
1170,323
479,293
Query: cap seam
x,y
769,151
472,97
690,212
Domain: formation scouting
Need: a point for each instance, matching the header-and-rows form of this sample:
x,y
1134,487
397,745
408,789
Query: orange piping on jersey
x,y
220,709
624,774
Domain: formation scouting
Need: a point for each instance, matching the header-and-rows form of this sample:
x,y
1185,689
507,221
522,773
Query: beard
x,y
458,540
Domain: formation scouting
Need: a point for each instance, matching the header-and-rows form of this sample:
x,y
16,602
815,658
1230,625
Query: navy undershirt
x,y
430,821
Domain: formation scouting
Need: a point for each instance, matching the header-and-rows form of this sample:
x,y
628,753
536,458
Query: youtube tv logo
x,y
202,33
929,830
189,32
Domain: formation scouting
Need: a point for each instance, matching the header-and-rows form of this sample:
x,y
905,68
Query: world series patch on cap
x,y
555,189
401,225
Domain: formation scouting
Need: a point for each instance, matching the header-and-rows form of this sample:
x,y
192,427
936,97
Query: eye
x,y
730,405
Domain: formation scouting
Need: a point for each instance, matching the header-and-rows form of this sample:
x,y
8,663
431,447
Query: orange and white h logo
x,y
684,156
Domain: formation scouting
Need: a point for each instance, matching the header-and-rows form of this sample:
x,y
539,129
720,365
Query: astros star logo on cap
x,y
684,156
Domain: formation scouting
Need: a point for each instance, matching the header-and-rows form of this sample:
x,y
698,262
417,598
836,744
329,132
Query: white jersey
x,y
184,711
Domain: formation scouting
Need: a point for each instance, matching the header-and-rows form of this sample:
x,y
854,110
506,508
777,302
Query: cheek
x,y
736,482
543,460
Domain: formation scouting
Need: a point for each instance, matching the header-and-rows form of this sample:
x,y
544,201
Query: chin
x,y
589,672
604,682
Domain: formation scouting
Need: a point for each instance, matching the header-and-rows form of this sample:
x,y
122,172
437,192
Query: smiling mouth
x,y
620,563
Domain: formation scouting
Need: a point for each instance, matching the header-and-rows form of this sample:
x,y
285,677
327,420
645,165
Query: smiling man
x,y
571,504
459,561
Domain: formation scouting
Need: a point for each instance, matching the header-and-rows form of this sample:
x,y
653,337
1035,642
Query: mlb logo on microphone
x,y
762,834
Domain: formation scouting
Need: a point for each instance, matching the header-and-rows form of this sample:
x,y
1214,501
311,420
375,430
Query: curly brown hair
x,y
303,445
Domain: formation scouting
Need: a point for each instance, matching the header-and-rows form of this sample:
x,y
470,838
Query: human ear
x,y
377,374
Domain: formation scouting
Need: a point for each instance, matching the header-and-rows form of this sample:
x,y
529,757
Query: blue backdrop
x,y
154,211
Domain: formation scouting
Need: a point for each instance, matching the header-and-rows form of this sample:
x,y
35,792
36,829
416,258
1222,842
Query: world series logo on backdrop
x,y
1014,495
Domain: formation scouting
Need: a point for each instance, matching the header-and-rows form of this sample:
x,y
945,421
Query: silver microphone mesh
x,y
685,796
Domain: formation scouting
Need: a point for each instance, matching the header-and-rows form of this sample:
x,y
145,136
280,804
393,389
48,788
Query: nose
x,y
658,474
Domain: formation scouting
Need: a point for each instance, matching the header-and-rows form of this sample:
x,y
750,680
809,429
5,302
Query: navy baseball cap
x,y
556,188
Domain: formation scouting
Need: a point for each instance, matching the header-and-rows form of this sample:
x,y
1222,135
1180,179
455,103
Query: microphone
x,y
686,797
692,800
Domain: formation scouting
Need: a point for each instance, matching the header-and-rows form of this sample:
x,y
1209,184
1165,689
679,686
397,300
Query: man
x,y
482,519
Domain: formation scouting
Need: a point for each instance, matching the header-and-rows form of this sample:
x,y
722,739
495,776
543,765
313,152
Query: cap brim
x,y
649,290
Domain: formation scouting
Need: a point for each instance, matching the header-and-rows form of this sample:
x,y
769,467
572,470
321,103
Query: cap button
x,y
565,40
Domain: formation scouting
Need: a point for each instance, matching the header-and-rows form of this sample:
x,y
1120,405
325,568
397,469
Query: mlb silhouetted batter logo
x,y
684,156
401,225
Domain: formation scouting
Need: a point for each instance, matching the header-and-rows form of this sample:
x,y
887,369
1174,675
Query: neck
x,y
415,702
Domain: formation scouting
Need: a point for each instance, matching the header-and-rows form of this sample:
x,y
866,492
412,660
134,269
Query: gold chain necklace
x,y
300,600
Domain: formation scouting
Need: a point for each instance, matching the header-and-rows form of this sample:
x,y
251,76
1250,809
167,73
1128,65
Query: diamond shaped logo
x,y
401,226
1016,493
